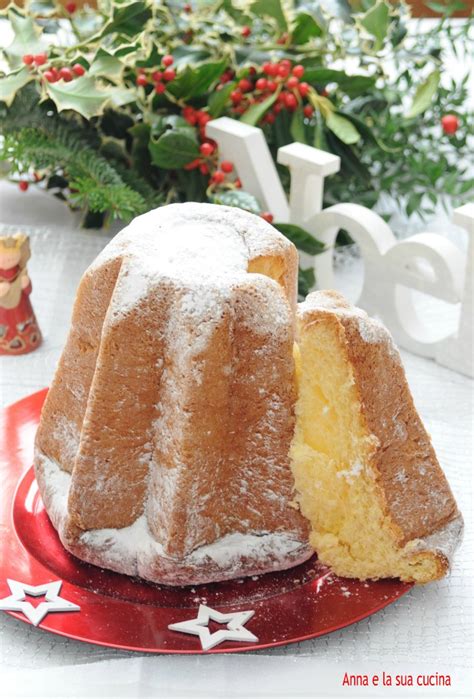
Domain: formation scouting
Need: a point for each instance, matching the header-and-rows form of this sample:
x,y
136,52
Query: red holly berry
x,y
298,71
236,96
269,118
292,82
283,38
285,62
50,76
227,166
193,164
159,88
70,7
308,111
169,74
277,108
450,124
187,7
142,80
78,69
188,111
28,59
23,185
156,76
238,183
303,89
204,169
267,216
225,77
66,74
203,118
246,31
245,85
167,60
252,71
206,149
283,71
290,101
218,177
40,59
270,69
261,84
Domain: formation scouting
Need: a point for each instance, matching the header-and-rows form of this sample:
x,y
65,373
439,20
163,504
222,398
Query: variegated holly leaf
x,y
107,66
83,95
10,84
26,38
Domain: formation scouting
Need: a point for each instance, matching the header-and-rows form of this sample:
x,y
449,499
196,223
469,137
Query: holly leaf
x,y
303,240
343,128
253,115
239,198
219,99
107,66
297,126
305,28
26,38
173,149
270,8
195,81
82,95
119,96
306,281
10,85
424,95
376,22
128,20
352,85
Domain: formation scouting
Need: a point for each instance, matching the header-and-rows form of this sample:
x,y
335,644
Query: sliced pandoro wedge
x,y
366,475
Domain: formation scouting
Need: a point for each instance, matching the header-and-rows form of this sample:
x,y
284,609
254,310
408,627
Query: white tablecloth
x,y
429,630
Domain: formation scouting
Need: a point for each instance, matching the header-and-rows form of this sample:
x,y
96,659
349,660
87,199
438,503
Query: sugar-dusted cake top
x,y
192,240
371,329
203,248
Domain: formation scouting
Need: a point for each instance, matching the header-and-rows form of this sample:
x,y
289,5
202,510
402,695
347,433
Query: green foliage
x,y
302,239
115,148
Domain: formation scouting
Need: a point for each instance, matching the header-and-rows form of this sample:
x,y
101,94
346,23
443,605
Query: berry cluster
x,y
52,74
158,78
282,77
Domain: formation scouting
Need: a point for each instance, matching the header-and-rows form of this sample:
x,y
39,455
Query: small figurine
x,y
19,331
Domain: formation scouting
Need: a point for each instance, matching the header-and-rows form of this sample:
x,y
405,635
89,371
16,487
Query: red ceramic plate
x,y
123,612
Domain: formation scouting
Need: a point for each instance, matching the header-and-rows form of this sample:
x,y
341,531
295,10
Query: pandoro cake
x,y
202,426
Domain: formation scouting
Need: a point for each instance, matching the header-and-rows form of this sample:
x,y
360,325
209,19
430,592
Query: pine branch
x,y
43,140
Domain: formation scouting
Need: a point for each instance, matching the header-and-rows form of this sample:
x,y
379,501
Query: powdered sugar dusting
x,y
371,330
444,540
134,551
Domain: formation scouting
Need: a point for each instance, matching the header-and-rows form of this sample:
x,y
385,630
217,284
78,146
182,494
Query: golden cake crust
x,y
174,397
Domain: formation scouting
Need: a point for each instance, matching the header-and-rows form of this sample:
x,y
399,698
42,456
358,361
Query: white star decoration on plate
x,y
199,627
54,603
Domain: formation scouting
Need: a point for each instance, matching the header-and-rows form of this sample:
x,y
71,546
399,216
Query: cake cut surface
x,y
168,425
366,474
